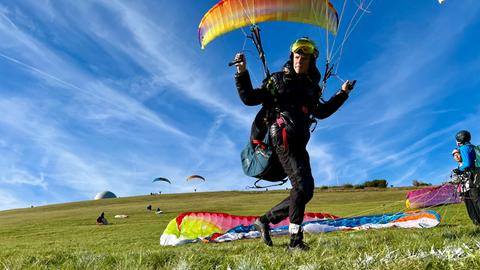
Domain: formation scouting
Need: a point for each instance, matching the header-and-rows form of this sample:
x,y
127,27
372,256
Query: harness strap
x,y
305,109
284,137
255,185
281,123
259,142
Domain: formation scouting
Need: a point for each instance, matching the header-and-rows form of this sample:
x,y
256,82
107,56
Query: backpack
x,y
477,156
260,161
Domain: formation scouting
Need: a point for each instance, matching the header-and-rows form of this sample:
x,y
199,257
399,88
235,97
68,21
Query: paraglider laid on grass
x,y
432,196
207,227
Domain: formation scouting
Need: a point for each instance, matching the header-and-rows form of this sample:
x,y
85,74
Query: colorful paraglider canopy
x,y
432,196
195,177
228,15
214,227
161,179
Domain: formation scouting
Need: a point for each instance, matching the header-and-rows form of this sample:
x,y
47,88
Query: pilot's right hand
x,y
241,62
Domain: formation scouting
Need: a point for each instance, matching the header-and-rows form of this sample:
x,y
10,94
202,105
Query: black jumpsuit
x,y
288,102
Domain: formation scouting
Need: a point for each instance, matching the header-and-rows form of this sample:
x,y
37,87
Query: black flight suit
x,y
289,104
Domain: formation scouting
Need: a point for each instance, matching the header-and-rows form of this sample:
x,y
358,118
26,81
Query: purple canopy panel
x,y
431,196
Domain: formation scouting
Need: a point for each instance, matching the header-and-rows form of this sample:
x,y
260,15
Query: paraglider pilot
x,y
291,100
465,156
101,220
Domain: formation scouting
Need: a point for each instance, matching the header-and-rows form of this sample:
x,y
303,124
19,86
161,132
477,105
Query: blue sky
x,y
107,95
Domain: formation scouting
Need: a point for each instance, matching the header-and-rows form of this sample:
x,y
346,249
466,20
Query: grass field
x,y
65,236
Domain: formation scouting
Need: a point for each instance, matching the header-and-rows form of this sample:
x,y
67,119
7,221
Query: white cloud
x,y
10,201
179,69
56,70
16,176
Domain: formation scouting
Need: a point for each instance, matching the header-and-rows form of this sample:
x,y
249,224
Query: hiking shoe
x,y
297,246
264,230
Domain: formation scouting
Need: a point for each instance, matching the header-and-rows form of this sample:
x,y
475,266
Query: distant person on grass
x,y
101,220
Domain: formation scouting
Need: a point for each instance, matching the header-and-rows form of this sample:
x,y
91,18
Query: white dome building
x,y
105,195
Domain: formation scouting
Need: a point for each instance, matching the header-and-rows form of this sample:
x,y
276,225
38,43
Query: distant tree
x,y
379,183
347,186
359,187
417,183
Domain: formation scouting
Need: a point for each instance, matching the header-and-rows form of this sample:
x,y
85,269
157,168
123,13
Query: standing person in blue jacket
x,y
290,100
468,170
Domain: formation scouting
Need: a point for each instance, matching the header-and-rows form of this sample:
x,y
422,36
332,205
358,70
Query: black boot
x,y
264,230
296,242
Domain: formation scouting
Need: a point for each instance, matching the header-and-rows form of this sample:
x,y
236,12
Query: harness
x,y
465,181
277,84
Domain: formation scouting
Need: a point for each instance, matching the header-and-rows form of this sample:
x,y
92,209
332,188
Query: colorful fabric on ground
x,y
432,196
220,227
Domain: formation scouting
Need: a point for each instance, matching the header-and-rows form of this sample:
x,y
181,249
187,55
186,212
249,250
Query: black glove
x,y
457,171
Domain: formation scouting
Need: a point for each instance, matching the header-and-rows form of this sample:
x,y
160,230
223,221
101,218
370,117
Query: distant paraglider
x,y
195,177
162,179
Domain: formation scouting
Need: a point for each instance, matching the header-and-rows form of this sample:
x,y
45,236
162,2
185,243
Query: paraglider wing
x,y
432,196
161,179
215,227
228,15
193,177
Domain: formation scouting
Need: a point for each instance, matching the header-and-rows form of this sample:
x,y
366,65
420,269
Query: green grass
x,y
65,236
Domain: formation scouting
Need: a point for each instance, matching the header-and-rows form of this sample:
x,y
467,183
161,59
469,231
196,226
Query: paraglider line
x,y
359,5
348,32
339,24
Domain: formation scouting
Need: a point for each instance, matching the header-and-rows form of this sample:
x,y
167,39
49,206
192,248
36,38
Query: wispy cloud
x,y
16,176
153,42
9,201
